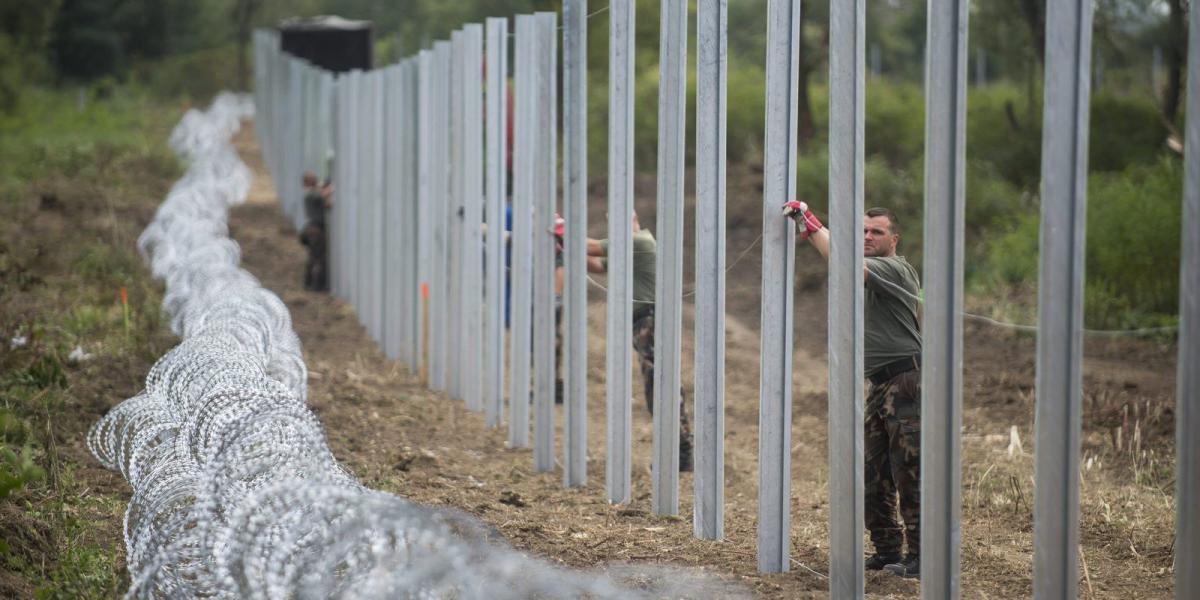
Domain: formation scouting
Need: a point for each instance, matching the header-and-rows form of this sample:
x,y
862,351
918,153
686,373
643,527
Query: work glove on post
x,y
800,213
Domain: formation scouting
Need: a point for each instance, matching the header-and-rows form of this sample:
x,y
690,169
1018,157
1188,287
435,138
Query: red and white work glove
x,y
800,213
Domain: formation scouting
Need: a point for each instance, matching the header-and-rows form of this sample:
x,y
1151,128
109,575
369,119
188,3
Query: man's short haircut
x,y
880,211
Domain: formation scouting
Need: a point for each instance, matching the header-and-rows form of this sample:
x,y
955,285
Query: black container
x,y
330,42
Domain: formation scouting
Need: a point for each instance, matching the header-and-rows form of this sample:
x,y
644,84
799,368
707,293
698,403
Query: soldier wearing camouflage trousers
x,y
644,248
892,415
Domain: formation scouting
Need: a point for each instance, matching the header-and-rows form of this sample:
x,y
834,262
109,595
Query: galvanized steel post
x,y
455,355
847,21
1060,298
618,362
1187,398
424,118
668,290
472,251
708,520
778,258
439,214
497,173
575,240
393,235
521,280
941,373
545,135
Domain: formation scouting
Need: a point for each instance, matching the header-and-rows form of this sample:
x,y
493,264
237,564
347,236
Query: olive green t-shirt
x,y
891,328
644,248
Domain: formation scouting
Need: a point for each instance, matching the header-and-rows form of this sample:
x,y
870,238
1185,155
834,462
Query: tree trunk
x,y
243,20
1035,18
1176,48
805,127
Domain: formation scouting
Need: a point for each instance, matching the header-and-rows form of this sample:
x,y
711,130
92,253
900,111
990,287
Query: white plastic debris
x,y
78,355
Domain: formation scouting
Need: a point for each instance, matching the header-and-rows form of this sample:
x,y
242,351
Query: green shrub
x,y
1125,130
895,121
1134,220
196,76
1133,244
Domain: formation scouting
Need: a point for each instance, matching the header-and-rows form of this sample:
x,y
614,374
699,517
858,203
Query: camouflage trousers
x,y
892,463
643,344
316,269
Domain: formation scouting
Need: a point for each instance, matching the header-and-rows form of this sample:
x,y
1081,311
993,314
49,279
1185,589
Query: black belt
x,y
896,367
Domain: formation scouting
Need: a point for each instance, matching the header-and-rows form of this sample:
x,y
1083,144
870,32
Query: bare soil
x,y
397,436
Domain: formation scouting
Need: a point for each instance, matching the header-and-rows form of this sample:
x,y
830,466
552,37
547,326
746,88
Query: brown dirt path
x,y
397,436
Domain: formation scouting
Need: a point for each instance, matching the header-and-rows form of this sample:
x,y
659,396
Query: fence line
x,y
420,177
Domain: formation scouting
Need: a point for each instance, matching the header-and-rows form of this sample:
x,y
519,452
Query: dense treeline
x,y
192,48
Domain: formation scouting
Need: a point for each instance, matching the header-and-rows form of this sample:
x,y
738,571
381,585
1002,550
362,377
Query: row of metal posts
x,y
407,224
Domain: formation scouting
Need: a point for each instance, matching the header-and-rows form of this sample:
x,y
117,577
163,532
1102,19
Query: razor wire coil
x,y
236,493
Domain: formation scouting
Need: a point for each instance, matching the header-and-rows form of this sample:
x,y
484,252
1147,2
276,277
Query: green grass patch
x,y
79,179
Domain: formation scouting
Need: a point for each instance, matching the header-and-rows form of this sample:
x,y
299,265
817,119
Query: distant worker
x,y
314,235
892,415
560,227
644,249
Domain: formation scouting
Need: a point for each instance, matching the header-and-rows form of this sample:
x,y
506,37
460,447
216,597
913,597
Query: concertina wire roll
x,y
235,492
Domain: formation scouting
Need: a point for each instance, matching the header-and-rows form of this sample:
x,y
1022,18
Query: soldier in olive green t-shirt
x,y
892,362
644,248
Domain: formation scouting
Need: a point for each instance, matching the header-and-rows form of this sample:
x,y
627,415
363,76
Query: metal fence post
x,y
335,220
846,74
521,276
393,206
1060,298
941,384
455,331
618,362
545,132
575,239
378,275
412,185
439,213
472,154
353,236
497,167
668,289
424,118
708,520
1187,398
778,258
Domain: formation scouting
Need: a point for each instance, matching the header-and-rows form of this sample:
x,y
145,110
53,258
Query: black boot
x,y
910,568
878,561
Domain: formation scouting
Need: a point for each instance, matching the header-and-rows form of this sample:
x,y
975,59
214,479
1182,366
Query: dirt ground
x,y
399,437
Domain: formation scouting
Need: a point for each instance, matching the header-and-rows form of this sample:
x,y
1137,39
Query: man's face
x,y
878,239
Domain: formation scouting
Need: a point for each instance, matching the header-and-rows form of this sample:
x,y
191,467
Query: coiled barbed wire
x,y
235,491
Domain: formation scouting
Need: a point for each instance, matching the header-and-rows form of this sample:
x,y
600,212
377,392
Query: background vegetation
x,y
80,175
